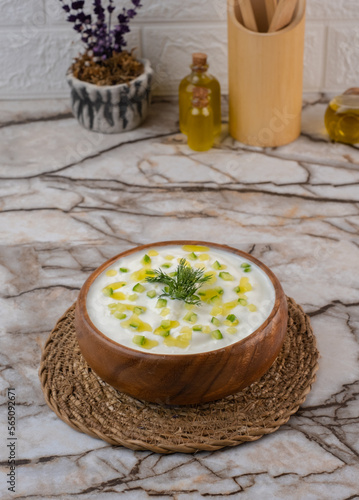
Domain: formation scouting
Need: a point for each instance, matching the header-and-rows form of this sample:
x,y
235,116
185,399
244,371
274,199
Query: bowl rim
x,y
279,293
147,70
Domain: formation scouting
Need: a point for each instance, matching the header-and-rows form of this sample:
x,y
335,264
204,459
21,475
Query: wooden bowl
x,y
181,379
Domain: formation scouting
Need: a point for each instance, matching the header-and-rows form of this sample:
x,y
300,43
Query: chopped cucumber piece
x,y
139,288
252,307
123,269
245,285
150,272
197,328
192,256
165,333
219,290
108,291
231,317
161,303
247,270
215,300
151,294
146,259
166,323
133,297
237,289
166,266
191,317
215,321
134,325
226,276
138,310
152,253
120,315
231,330
245,265
217,266
216,310
139,339
243,302
216,334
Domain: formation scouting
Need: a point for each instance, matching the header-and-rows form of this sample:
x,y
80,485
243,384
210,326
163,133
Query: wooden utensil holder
x,y
265,80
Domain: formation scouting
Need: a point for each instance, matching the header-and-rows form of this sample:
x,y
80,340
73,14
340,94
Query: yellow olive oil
x,y
342,119
199,78
200,121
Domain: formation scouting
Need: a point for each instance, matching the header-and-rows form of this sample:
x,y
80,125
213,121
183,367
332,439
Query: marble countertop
x,y
70,199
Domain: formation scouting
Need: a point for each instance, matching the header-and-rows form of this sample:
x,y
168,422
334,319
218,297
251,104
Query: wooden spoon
x,y
260,14
249,20
270,9
282,15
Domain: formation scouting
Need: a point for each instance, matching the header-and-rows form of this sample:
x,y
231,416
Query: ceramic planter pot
x,y
188,378
111,109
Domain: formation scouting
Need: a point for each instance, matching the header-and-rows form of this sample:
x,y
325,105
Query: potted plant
x,y
110,88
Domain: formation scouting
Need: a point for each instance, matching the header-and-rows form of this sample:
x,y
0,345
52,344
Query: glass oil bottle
x,y
200,121
199,77
342,117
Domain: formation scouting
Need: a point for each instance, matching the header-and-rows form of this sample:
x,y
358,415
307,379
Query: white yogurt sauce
x,y
250,312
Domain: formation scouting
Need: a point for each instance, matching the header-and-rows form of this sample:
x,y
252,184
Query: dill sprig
x,y
183,285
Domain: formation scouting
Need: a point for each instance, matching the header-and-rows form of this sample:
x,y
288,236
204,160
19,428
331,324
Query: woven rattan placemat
x,y
88,404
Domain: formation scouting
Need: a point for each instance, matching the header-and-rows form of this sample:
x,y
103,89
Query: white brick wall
x,y
38,44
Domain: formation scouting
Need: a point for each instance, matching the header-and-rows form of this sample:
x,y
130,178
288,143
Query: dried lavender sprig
x,y
97,36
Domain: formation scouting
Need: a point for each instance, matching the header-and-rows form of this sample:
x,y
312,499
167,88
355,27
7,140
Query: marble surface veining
x,y
70,199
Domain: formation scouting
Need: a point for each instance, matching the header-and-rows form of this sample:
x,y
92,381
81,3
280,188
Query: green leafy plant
x,y
183,285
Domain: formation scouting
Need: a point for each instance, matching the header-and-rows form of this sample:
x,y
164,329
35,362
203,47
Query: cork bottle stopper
x,y
200,97
199,61
352,91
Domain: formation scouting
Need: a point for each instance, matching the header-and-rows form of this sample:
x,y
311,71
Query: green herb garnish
x,y
183,285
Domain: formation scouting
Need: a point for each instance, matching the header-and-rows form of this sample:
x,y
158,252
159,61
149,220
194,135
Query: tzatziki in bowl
x,y
181,322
